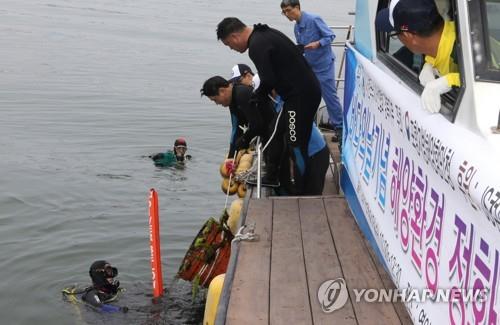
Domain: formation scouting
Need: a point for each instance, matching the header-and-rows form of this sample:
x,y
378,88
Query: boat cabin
x,y
474,104
424,187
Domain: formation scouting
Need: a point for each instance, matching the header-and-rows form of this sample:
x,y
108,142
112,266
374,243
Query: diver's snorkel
x,y
180,148
180,152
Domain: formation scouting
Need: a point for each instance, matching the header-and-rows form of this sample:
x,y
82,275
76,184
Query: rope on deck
x,y
250,235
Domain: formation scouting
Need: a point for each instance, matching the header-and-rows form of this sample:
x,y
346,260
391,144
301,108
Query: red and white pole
x,y
154,244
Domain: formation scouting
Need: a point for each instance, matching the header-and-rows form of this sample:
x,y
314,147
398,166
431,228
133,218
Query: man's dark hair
x,y
211,86
432,28
228,26
291,3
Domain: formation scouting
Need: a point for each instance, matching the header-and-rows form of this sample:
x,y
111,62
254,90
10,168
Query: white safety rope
x,y
275,125
212,267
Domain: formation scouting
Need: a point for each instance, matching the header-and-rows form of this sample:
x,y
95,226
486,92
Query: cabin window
x,y
407,65
485,26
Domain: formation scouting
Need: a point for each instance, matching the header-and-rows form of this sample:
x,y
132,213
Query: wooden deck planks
x,y
304,242
321,260
289,293
359,269
249,300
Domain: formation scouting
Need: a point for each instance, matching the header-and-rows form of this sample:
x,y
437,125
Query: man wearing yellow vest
x,y
420,27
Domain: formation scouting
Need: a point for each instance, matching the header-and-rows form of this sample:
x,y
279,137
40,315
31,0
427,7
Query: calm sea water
x,y
87,89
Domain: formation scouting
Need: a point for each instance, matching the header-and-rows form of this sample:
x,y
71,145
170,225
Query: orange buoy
x,y
233,187
242,190
154,244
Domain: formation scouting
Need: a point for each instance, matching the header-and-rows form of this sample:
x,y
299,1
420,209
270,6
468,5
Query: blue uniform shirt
x,y
311,28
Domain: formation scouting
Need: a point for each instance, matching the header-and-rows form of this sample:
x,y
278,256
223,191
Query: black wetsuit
x,y
257,116
282,67
100,299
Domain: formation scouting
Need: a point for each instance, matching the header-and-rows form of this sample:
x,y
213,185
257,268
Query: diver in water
x,y
105,287
171,157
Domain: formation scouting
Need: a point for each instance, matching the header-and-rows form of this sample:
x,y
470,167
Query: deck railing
x,y
348,37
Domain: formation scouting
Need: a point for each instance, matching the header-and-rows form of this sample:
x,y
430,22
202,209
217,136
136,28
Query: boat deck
x,y
304,241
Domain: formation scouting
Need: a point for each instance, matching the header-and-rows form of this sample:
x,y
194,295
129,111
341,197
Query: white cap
x,y
238,70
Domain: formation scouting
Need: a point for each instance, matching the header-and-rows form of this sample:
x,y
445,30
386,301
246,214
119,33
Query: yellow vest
x,y
444,61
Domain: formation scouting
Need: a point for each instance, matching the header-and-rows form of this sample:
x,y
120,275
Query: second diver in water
x,y
171,157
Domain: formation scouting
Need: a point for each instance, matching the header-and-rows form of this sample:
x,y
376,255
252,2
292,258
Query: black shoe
x,y
326,126
265,181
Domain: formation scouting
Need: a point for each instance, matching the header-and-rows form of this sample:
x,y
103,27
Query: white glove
x,y
255,82
431,96
428,73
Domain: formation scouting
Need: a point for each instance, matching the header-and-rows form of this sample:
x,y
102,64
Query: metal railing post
x,y
342,60
259,155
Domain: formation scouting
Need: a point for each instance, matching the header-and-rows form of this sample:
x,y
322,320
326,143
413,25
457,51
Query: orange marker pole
x,y
154,244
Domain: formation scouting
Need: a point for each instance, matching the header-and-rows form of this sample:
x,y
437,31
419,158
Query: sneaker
x,y
265,181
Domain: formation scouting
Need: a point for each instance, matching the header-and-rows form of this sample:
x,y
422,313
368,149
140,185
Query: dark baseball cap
x,y
238,71
407,16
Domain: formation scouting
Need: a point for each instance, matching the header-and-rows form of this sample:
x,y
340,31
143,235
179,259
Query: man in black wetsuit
x,y
281,67
248,118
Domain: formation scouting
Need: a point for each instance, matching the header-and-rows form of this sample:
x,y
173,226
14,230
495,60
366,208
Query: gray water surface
x,y
87,90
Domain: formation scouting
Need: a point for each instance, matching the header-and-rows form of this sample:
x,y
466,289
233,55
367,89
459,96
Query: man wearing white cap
x,y
420,27
242,73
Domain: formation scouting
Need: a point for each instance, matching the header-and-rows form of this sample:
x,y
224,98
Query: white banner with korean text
x,y
430,193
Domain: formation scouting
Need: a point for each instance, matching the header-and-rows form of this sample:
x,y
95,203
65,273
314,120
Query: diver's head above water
x,y
103,277
180,148
175,157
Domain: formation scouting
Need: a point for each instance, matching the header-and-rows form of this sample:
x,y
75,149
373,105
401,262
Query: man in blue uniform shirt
x,y
314,36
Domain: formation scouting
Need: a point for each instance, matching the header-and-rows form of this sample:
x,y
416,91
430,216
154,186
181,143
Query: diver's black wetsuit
x,y
257,116
282,67
95,297
100,300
